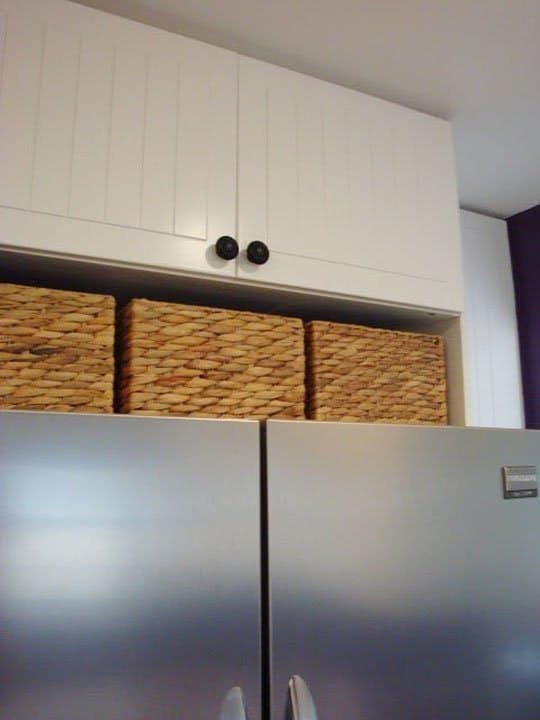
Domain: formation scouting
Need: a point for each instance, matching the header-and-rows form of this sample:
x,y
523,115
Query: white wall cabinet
x,y
351,194
117,141
492,363
127,144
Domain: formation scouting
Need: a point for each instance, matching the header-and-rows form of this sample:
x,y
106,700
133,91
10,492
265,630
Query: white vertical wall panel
x,y
493,375
128,117
158,190
92,126
19,96
56,117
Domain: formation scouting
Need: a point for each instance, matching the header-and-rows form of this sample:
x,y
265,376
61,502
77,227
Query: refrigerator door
x,y
129,568
403,586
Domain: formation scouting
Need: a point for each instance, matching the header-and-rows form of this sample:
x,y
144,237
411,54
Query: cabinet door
x,y
351,194
118,141
130,567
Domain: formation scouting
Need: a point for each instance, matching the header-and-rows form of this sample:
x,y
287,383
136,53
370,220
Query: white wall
x,y
492,366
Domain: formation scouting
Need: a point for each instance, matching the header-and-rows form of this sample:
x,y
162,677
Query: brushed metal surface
x,y
129,567
402,584
301,705
233,706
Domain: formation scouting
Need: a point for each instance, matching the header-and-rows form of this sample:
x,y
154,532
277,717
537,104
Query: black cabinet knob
x,y
257,252
226,247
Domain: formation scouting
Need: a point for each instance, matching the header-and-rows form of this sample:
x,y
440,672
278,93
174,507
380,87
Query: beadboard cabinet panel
x,y
206,172
26,230
91,137
335,176
3,18
110,121
53,151
347,280
158,160
124,181
492,364
19,106
110,124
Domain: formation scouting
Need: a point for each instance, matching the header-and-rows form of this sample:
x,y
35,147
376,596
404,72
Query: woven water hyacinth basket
x,y
363,374
56,350
206,362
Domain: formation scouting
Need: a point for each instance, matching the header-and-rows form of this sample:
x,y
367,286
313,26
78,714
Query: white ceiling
x,y
476,62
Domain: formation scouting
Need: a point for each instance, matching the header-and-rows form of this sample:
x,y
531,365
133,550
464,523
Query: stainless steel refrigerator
x,y
171,569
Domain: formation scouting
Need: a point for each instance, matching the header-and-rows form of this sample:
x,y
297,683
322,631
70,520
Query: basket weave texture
x,y
207,362
56,350
363,374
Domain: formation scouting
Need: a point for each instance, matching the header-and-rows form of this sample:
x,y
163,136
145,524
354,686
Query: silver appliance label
x,y
520,481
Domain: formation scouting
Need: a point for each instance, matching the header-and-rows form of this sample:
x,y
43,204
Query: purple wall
x,y
524,234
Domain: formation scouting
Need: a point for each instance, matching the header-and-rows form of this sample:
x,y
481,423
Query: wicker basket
x,y
363,374
207,362
56,350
